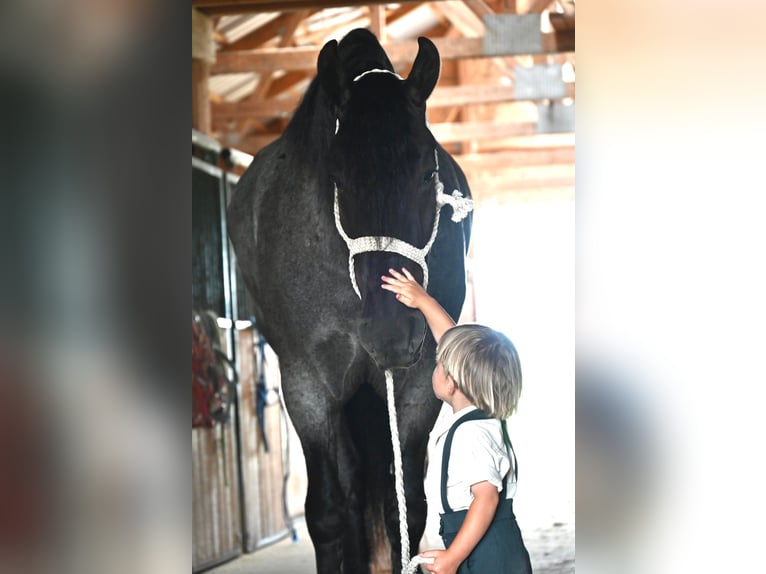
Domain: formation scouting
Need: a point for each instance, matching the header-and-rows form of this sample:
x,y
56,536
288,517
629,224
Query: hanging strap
x,y
475,415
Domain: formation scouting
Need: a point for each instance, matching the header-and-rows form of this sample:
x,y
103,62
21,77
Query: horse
x,y
352,188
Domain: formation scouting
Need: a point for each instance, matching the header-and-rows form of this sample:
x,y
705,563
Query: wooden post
x,y
378,21
203,56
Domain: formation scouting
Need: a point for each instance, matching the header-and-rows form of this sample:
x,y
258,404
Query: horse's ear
x,y
425,71
329,71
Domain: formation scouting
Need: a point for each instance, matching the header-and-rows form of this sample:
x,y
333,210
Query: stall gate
x,y
239,467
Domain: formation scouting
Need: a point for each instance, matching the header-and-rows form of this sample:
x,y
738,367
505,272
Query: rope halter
x,y
461,206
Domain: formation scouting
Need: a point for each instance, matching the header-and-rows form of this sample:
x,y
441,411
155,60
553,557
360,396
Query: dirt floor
x,y
551,547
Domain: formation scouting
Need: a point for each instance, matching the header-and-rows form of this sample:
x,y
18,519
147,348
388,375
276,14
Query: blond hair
x,y
485,367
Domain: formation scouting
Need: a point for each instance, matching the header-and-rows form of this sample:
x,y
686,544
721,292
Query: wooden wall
x,y
262,471
216,525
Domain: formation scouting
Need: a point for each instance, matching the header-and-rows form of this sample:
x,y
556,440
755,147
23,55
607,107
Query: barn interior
x,y
504,107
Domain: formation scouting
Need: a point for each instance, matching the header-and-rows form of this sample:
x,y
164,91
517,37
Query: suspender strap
x,y
474,415
511,452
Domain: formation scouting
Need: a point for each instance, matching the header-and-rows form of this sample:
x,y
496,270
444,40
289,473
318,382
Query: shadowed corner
x,y
619,467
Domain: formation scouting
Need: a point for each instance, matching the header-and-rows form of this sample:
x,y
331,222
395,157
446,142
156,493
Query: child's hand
x,y
408,291
443,563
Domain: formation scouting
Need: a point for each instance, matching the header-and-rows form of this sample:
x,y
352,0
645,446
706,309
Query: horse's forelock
x,y
360,51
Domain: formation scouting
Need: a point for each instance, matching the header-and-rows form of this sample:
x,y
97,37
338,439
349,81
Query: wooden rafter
x,y
378,21
263,34
399,52
251,6
473,111
537,6
446,96
266,79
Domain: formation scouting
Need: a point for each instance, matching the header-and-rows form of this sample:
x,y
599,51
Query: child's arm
x,y
477,521
410,293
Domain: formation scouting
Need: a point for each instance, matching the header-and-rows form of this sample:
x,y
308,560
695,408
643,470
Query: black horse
x,y
356,160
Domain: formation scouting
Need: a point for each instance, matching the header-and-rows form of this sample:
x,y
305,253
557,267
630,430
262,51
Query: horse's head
x,y
383,169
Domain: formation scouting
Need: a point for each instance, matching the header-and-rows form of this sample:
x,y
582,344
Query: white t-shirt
x,y
478,454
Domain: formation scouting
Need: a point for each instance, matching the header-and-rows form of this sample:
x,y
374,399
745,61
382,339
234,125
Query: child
x,y
469,472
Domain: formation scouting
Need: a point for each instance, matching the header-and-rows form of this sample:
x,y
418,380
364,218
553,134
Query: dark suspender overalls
x,y
501,550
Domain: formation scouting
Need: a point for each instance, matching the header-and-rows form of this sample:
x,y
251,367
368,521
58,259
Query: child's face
x,y
439,380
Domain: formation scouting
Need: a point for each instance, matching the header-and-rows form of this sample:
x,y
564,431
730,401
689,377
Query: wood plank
x,y
263,34
219,7
562,22
511,159
200,96
523,147
203,47
523,174
378,21
400,52
447,96
512,181
265,80
463,18
537,6
537,142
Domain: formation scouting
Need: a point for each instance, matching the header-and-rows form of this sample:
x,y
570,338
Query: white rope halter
x,y
460,208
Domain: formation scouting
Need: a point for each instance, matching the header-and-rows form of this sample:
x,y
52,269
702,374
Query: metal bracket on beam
x,y
508,34
539,82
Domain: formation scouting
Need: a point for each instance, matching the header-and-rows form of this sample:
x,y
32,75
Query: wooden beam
x,y
451,133
265,80
561,22
536,143
200,97
250,6
447,96
400,52
378,21
203,55
263,34
522,177
202,47
537,6
498,161
285,82
465,20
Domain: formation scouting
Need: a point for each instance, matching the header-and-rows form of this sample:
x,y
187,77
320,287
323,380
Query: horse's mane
x,y
311,129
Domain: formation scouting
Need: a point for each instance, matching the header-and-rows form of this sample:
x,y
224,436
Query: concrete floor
x,y
552,549
283,557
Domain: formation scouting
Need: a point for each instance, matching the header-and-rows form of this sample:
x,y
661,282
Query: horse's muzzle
x,y
394,342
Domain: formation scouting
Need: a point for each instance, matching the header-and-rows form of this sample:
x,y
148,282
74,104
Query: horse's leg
x,y
417,409
333,513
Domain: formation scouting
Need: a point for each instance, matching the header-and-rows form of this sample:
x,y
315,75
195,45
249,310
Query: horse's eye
x,y
429,176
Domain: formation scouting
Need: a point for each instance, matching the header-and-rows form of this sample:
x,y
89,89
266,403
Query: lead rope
x,y
408,566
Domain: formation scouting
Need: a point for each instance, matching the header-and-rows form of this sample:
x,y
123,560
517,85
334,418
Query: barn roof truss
x,y
504,105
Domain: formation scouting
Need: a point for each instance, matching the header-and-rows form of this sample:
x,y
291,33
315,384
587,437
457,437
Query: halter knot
x,y
461,206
